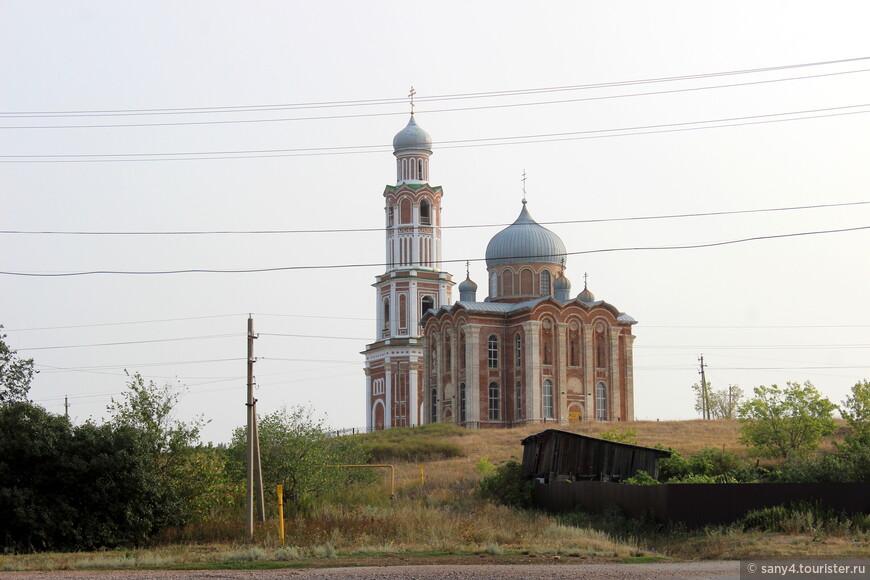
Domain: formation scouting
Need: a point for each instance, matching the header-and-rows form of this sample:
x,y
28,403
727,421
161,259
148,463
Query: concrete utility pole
x,y
254,471
705,402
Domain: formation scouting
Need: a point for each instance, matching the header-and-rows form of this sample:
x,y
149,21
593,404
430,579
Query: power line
x,y
749,346
428,112
449,144
383,101
455,227
382,265
367,338
751,326
186,318
65,346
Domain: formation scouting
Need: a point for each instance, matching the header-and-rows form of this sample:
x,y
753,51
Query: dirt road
x,y
686,571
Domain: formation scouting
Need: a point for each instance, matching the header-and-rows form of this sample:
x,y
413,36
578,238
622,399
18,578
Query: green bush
x,y
508,486
642,478
708,465
844,464
802,517
65,487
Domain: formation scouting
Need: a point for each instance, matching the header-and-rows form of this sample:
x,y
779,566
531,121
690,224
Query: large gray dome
x,y
525,241
412,137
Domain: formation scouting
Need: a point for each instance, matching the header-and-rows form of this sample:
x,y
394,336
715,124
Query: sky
x,y
131,132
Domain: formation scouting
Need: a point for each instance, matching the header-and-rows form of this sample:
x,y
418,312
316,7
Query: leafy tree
x,y
295,450
783,422
721,403
151,409
856,411
191,477
66,488
16,373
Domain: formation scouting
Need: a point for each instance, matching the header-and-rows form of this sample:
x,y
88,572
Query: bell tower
x,y
412,284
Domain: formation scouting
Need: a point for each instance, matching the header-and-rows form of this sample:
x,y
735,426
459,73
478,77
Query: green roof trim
x,y
414,186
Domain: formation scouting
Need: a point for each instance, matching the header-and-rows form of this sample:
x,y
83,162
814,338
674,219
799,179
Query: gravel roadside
x,y
684,570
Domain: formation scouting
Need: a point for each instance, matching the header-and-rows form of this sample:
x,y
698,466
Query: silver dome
x,y
412,137
525,241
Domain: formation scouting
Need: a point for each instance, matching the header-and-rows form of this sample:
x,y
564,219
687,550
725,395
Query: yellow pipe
x,y
281,511
392,469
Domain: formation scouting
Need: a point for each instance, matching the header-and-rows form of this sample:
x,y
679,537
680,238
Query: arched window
x,y
405,211
492,352
507,283
462,403
545,283
386,313
574,351
548,399
518,350
427,303
419,169
493,285
494,402
403,312
391,215
425,212
547,343
601,402
519,396
526,283
600,348
448,353
433,401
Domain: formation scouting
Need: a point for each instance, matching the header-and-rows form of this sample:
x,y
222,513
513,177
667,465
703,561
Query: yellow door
x,y
575,416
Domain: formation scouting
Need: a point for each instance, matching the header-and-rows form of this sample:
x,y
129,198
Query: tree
x,y
295,449
784,422
856,411
65,487
720,404
192,477
151,409
16,373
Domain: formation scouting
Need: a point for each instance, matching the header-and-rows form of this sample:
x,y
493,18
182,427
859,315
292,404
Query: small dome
x,y
525,241
468,285
562,283
412,137
468,290
586,295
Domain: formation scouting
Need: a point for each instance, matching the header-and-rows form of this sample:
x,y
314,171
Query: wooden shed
x,y
555,455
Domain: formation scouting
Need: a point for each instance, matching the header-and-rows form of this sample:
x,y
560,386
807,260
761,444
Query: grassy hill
x,y
450,455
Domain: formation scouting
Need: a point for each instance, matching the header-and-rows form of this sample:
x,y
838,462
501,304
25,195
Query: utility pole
x,y
66,407
254,471
705,402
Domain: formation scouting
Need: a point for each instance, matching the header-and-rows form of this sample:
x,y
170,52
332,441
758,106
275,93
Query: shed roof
x,y
544,434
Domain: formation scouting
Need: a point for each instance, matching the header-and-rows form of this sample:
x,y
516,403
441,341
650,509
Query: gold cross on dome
x,y
411,95
524,185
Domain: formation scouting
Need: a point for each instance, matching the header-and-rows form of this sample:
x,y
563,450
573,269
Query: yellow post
x,y
422,479
281,512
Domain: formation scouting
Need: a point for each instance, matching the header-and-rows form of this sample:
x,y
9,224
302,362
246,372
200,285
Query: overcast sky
x,y
122,120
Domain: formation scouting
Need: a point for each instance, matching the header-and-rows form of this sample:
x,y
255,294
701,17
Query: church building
x,y
527,353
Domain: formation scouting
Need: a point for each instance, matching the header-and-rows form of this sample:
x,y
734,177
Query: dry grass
x,y
443,516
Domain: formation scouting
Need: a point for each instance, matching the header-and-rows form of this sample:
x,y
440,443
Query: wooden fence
x,y
698,504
